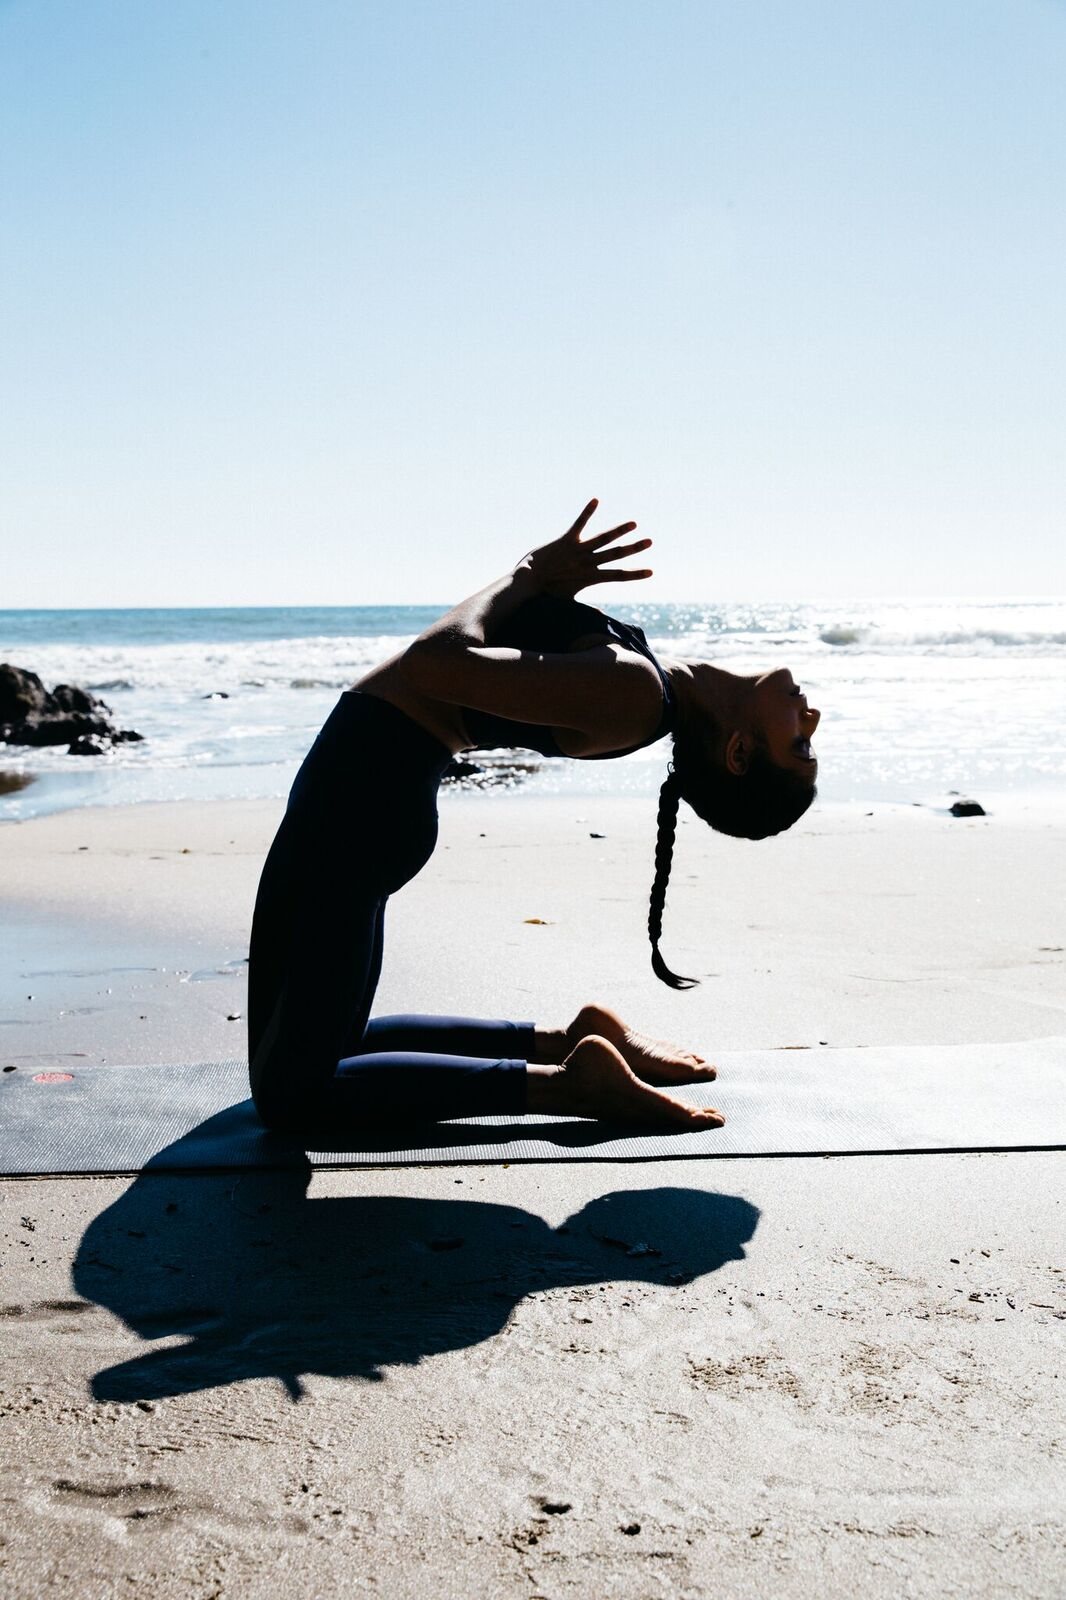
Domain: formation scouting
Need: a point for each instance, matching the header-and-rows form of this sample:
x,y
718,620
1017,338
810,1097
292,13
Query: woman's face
x,y
786,722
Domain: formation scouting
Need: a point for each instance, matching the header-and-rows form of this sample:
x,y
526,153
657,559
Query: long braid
x,y
669,799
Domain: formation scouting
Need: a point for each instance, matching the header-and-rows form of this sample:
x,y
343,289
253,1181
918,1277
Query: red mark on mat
x,y
53,1077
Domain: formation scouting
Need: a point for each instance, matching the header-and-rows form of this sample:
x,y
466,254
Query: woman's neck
x,y
703,689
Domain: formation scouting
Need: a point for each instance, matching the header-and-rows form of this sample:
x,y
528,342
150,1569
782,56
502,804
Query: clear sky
x,y
324,301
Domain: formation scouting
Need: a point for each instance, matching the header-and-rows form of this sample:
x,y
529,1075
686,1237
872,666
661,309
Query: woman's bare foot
x,y
595,1081
654,1060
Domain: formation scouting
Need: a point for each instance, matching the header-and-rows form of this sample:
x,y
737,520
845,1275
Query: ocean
x,y
918,699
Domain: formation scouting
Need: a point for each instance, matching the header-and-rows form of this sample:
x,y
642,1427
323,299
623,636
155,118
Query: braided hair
x,y
669,799
765,800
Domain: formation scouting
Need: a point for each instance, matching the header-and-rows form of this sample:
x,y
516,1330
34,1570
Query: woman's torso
x,y
548,624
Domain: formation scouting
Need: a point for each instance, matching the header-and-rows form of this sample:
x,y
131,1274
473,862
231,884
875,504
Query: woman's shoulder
x,y
552,623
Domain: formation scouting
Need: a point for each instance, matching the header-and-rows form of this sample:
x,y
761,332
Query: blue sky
x,y
322,301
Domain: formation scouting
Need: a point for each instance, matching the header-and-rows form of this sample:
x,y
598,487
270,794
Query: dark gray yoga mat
x,y
778,1102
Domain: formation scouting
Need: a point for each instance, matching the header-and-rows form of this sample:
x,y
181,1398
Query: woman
x,y
521,663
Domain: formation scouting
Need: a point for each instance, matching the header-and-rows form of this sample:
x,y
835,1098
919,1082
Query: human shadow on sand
x,y
260,1280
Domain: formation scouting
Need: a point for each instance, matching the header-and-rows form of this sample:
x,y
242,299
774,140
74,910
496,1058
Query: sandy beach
x,y
764,1376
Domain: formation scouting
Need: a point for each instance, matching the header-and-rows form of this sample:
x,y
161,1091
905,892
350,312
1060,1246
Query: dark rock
x,y
12,782
30,715
70,698
60,727
492,774
216,694
456,770
967,808
21,693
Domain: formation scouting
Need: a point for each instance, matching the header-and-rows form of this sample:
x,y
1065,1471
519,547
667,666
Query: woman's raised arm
x,y
604,691
563,567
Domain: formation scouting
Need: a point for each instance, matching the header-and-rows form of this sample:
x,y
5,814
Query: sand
x,y
754,1377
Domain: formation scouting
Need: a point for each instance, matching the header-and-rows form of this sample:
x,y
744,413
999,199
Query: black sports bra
x,y
548,623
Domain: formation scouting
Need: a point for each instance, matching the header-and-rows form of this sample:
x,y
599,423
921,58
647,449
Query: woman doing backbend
x,y
522,663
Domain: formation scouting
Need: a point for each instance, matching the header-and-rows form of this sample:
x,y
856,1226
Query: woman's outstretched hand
x,y
568,565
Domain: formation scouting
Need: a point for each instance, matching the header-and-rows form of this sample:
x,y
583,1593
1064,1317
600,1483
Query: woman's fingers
x,y
582,522
598,539
624,550
599,547
610,574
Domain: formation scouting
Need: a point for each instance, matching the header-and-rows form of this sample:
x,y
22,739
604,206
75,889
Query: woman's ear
x,y
737,754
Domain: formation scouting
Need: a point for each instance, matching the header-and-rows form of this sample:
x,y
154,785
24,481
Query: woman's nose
x,y
813,717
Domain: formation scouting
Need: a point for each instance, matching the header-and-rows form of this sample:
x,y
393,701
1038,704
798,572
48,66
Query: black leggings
x,y
361,822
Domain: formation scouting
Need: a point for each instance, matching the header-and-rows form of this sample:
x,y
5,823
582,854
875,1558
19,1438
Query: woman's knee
x,y
273,1112
280,1104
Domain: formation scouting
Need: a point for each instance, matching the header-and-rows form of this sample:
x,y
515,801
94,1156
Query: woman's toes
x,y
655,1061
596,1081
663,1069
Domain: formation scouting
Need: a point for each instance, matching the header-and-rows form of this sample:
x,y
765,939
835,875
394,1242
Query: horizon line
x,y
445,606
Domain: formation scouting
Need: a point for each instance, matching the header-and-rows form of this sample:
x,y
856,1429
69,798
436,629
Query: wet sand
x,y
748,1377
